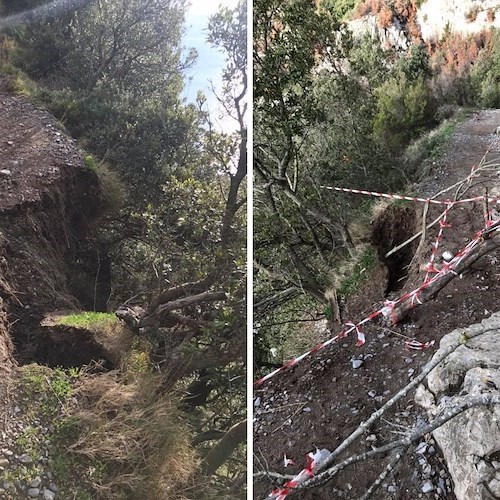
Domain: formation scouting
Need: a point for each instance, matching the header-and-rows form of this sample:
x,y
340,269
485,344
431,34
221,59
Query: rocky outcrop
x,y
466,17
471,441
433,18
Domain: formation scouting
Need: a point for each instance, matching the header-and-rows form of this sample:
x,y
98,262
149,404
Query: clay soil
x,y
47,197
323,399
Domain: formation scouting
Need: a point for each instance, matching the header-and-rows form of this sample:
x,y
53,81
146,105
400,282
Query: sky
x,y
210,61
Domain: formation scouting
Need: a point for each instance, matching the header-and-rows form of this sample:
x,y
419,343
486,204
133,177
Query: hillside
x,y
49,203
67,374
326,396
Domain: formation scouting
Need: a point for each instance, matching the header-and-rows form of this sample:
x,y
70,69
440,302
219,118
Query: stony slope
x,y
324,398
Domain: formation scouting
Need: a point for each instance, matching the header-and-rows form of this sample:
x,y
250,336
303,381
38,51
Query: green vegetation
x,y
90,320
173,230
354,115
360,272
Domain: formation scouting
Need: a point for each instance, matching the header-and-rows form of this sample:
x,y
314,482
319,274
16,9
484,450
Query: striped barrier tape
x,y
407,198
313,462
387,310
442,224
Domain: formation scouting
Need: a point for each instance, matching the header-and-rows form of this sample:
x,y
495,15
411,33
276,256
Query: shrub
x,y
112,187
490,91
111,184
403,110
89,162
384,17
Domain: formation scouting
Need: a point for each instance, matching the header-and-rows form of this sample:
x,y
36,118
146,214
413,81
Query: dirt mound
x,y
66,342
324,398
49,201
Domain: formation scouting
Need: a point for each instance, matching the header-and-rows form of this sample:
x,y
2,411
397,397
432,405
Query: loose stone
x,y
48,494
25,459
427,487
35,483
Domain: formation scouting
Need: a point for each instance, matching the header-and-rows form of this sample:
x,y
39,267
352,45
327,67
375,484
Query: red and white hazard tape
x,y
403,197
313,462
442,224
386,311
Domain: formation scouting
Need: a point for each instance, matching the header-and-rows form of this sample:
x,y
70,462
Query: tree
x,y
113,73
313,126
195,314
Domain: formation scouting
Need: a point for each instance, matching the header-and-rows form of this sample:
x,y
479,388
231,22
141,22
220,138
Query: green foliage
x,y
339,8
415,64
368,59
360,272
88,320
404,110
484,74
89,162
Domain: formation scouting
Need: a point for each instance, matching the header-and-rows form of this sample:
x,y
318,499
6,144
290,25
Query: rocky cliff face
x,y
471,441
466,17
433,19
48,203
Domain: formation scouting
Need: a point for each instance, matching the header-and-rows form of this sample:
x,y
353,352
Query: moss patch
x,y
88,320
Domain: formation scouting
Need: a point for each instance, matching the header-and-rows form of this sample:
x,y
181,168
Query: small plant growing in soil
x,y
89,162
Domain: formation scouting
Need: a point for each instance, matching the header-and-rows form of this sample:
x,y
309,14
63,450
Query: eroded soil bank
x,y
49,203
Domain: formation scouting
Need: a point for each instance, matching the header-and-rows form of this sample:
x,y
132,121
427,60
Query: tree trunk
x,y
221,452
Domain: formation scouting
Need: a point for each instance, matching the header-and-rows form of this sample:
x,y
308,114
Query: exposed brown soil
x,y
48,203
107,343
323,399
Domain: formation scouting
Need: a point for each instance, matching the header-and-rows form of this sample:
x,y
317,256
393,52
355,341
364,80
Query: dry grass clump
x,y
139,437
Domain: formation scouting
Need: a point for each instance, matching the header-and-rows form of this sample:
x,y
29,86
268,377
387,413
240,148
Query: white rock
x,y
463,375
421,448
48,494
36,482
356,363
427,487
447,256
33,492
25,459
5,173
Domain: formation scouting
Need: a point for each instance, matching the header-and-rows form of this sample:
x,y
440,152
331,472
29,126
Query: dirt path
x,y
323,399
33,150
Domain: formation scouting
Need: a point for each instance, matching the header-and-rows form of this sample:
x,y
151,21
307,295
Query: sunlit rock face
x,y
464,17
470,442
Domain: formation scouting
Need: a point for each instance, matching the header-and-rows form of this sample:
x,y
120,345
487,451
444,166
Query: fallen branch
x,y
417,433
423,233
400,394
428,292
182,303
